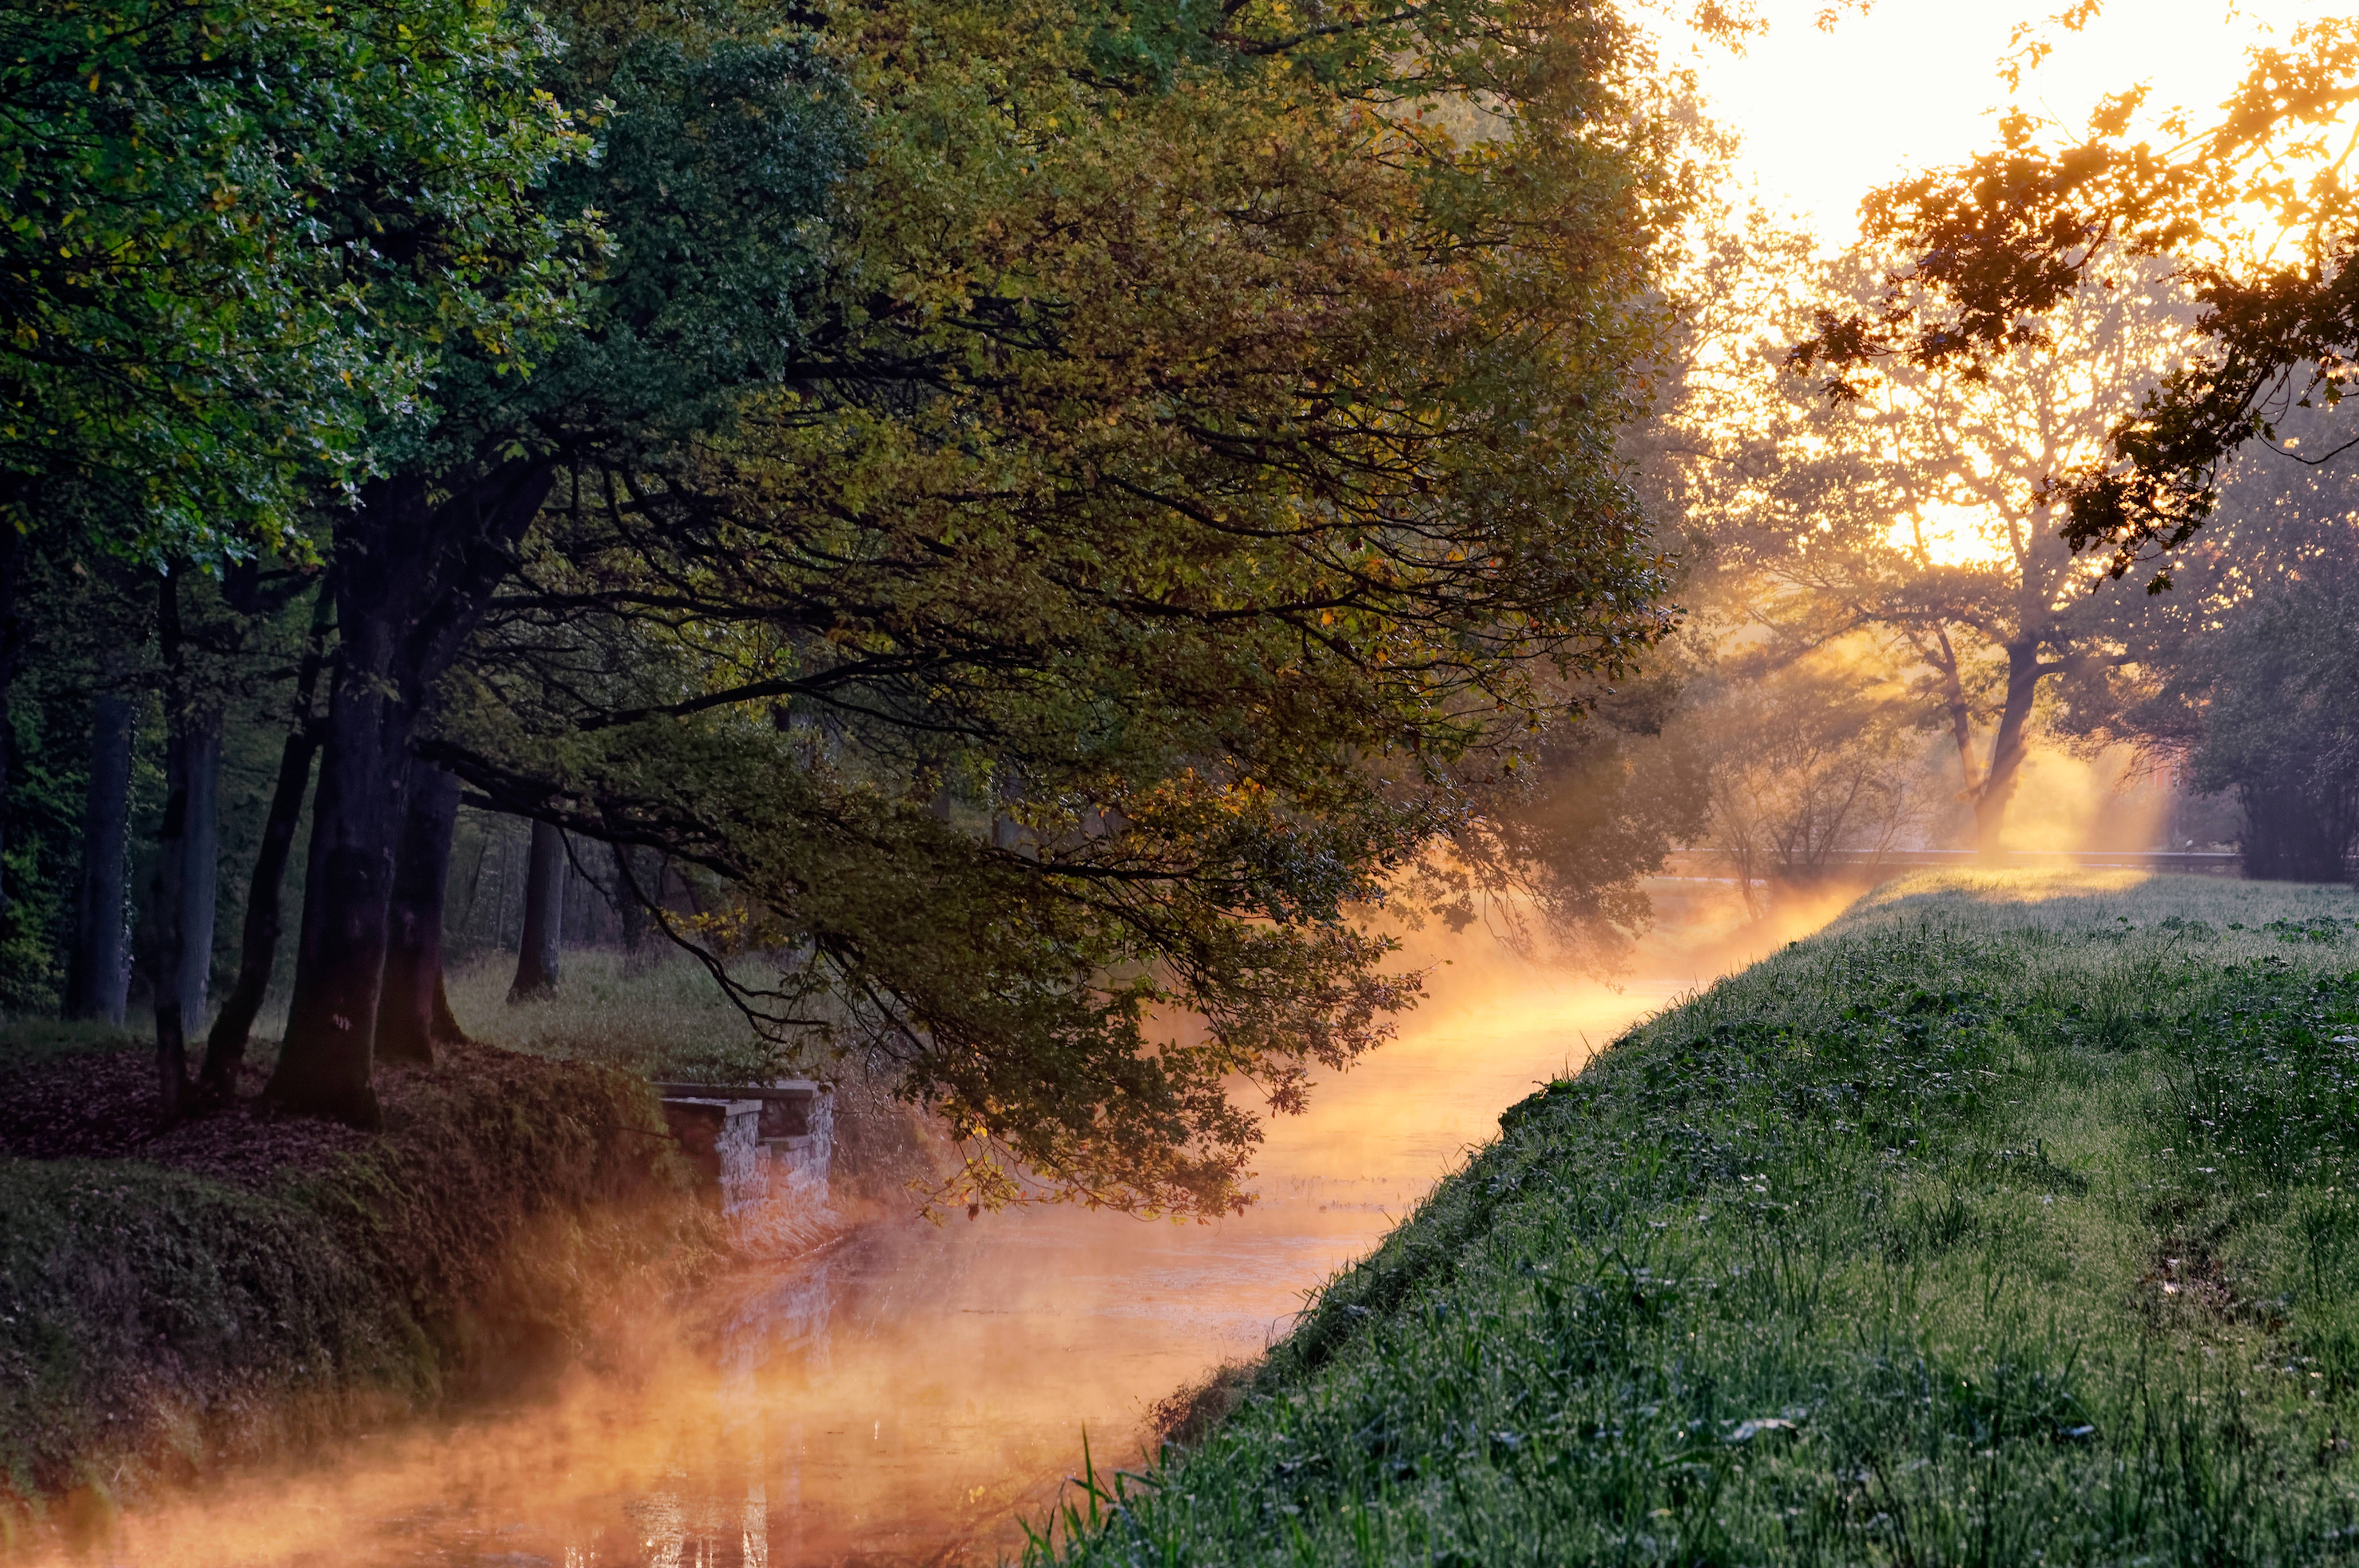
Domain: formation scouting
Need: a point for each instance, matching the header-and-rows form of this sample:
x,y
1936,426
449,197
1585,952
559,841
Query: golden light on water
x,y
913,1394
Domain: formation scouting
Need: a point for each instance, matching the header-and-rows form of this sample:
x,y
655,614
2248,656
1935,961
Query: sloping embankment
x,y
240,1287
2010,1220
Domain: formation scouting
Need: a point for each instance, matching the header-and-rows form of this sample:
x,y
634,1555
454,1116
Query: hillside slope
x,y
2010,1220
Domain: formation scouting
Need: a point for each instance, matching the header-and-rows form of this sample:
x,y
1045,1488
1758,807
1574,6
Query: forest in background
x,y
1034,522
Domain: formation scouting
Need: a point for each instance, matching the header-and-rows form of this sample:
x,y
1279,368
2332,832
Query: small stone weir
x,y
761,1152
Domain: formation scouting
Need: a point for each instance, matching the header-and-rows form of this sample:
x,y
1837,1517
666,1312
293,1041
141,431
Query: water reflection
x,y
908,1395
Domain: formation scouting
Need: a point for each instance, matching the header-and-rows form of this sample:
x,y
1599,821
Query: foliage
x,y
2253,211
44,828
2006,1221
1916,514
2243,671
1214,449
232,234
2282,727
1552,859
719,141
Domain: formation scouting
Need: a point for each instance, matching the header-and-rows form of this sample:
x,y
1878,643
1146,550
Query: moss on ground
x,y
2012,1220
156,1319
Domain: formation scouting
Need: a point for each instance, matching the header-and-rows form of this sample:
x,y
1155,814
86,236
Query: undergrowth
x,y
2012,1220
155,1321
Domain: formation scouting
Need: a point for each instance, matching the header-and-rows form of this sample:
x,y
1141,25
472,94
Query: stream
x,y
912,1393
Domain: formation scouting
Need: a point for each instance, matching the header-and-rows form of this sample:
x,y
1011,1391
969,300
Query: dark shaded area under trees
x,y
995,529
853,543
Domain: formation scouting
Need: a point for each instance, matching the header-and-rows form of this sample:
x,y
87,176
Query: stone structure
x,y
763,1151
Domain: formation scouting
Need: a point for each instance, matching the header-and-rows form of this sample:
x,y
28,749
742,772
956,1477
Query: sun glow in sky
x,y
1827,115
1951,535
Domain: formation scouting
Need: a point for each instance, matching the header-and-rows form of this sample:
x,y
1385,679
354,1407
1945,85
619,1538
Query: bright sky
x,y
1827,115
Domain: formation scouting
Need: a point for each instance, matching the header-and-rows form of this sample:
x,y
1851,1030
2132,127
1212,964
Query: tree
x,y
1552,857
2244,672
414,1013
1811,758
2254,215
717,163
1215,454
1919,509
187,852
98,968
539,949
209,290
231,232
2281,728
258,938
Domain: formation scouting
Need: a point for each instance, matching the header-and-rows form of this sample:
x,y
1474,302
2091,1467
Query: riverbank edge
x,y
157,1323
1601,1340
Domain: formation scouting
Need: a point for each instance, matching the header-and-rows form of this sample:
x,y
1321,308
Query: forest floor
x,y
2013,1218
77,1092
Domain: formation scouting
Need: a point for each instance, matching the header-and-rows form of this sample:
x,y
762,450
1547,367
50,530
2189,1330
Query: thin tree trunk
x,y
630,909
538,954
187,854
171,857
414,1012
413,579
2009,748
200,882
96,977
1953,703
12,551
258,942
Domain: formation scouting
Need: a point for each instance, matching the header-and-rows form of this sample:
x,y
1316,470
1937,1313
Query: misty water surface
x,y
911,1394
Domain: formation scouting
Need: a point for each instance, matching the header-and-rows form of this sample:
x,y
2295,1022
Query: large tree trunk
x,y
97,975
324,1067
540,954
414,1013
2008,747
258,942
413,581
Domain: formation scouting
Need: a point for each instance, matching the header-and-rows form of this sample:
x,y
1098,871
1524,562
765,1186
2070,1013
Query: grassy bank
x,y
2011,1220
663,1018
240,1286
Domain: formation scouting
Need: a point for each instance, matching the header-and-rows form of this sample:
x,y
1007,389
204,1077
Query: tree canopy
x,y
234,234
1208,447
2253,210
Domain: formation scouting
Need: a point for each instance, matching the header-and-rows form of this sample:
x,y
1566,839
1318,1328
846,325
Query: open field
x,y
2009,1220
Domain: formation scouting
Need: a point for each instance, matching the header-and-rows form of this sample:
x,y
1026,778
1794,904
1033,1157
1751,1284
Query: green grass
x,y
2011,1220
663,1018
